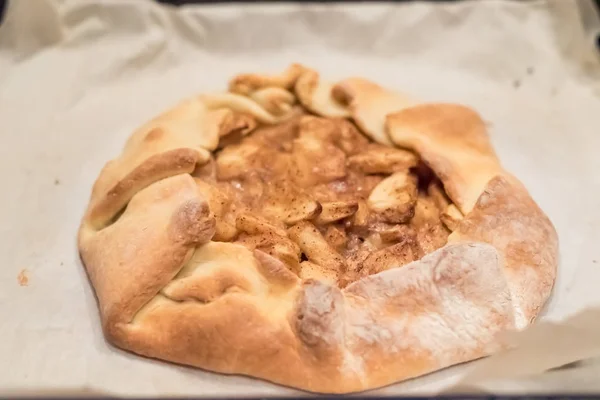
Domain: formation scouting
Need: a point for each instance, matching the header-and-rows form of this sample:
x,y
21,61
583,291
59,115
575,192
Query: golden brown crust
x,y
166,290
320,338
452,140
247,84
153,169
507,217
131,260
369,104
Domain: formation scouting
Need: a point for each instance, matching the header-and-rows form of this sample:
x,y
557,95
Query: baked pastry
x,y
329,237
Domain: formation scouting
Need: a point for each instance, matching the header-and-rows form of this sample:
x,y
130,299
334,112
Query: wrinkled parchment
x,y
77,77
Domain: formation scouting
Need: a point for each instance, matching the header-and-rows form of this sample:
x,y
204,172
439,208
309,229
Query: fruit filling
x,y
323,199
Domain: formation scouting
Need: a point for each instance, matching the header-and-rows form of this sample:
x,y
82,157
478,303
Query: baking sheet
x,y
77,77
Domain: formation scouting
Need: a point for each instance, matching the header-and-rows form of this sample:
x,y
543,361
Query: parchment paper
x,y
77,77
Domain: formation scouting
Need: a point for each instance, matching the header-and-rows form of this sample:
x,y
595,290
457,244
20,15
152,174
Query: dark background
x,y
180,2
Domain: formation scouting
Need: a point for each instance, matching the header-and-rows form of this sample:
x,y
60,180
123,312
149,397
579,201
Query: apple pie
x,y
332,237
